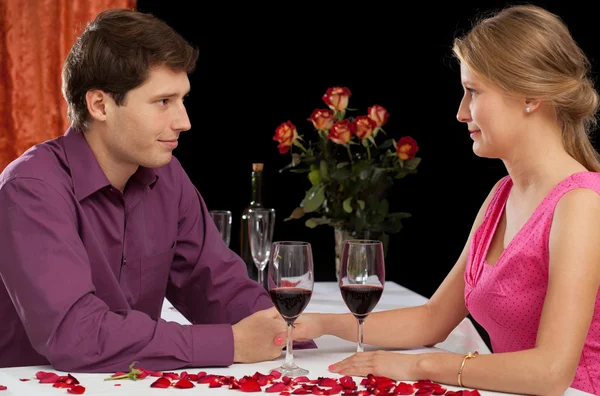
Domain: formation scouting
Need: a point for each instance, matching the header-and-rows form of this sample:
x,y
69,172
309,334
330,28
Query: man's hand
x,y
255,338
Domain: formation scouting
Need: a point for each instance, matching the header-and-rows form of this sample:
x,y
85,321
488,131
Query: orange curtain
x,y
35,38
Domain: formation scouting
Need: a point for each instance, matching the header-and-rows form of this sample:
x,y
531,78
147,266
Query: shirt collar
x,y
88,177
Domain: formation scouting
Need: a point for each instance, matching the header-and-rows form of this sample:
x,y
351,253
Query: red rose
x,y
341,132
337,98
364,126
322,119
286,134
378,114
406,148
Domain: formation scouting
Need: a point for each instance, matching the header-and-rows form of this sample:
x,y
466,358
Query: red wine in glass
x,y
290,301
361,299
290,283
361,279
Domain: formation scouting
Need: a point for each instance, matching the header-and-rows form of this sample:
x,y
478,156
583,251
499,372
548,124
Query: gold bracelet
x,y
469,355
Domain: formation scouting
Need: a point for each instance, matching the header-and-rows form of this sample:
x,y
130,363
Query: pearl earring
x,y
527,110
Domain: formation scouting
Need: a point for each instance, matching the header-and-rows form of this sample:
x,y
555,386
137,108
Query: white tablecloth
x,y
326,298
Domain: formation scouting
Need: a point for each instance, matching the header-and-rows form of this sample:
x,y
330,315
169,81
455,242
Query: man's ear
x,y
97,102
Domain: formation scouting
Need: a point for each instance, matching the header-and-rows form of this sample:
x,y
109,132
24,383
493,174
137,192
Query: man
x,y
98,225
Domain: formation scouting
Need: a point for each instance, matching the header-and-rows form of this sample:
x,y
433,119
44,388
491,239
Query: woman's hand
x,y
307,327
393,365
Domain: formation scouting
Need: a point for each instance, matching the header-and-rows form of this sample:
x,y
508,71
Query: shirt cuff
x,y
213,345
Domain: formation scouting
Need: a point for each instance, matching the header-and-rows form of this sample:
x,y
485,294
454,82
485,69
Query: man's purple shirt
x,y
85,268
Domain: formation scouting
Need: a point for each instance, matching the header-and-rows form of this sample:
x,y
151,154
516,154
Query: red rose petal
x,y
386,385
439,390
285,394
300,391
328,382
118,373
404,389
162,382
184,383
206,379
335,390
49,379
347,382
61,384
2,387
24,379
43,374
234,384
301,379
117,384
171,376
215,383
276,374
424,392
473,392
264,380
73,379
250,385
278,387
76,390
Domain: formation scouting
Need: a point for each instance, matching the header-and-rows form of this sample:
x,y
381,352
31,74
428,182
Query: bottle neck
x,y
256,198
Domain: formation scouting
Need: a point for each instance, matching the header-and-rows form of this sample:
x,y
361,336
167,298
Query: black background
x,y
263,64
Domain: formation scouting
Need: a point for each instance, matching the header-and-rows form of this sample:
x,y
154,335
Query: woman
x,y
530,270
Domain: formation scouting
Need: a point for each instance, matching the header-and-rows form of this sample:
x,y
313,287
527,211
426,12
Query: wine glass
x,y
261,222
222,219
362,277
290,284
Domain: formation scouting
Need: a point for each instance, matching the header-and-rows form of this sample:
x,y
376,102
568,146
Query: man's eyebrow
x,y
171,94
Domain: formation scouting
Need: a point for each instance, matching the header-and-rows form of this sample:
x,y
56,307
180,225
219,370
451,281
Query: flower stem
x,y
368,151
349,153
297,143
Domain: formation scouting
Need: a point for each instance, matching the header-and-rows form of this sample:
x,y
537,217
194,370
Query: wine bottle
x,y
255,202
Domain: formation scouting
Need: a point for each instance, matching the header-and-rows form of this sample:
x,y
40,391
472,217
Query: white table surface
x,y
326,298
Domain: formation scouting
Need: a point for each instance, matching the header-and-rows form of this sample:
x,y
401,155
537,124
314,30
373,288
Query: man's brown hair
x,y
115,53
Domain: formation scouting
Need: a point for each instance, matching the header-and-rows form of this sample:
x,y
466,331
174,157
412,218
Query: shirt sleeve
x,y
209,282
46,271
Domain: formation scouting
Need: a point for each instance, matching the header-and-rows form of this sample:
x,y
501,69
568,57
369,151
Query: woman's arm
x,y
427,324
549,367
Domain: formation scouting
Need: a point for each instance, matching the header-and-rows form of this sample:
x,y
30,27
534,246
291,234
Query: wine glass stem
x,y
359,346
260,276
289,351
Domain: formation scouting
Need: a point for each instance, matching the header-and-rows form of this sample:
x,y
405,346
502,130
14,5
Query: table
x,y
325,298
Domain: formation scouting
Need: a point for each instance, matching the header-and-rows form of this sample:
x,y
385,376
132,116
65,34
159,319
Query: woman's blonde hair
x,y
529,51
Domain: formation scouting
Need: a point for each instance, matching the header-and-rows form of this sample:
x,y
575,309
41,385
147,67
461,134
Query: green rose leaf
x,y
347,205
413,163
314,198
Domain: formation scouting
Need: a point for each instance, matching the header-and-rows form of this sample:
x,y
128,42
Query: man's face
x,y
143,131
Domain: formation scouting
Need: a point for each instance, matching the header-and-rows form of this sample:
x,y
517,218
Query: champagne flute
x,y
290,284
222,219
261,222
362,277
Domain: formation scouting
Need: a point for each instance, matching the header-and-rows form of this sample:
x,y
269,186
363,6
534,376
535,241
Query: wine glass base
x,y
291,370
